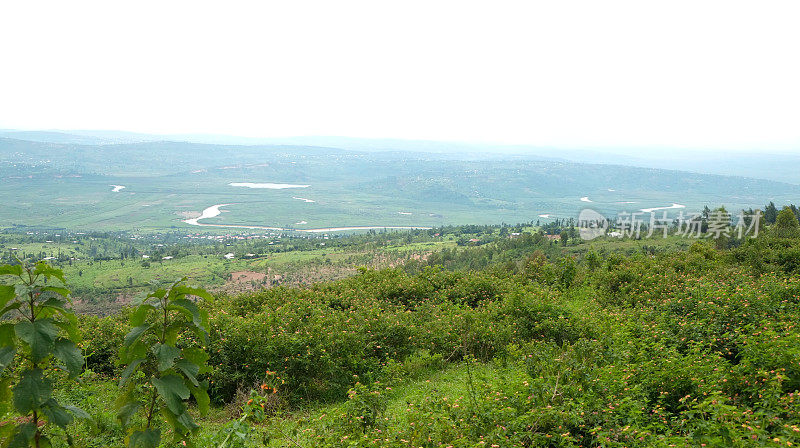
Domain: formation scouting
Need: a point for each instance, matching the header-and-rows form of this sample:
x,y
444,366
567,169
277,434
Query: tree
x,y
770,213
163,362
37,339
786,225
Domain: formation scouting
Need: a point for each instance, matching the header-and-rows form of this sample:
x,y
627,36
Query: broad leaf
x,y
48,271
7,293
63,292
182,424
66,351
32,391
78,412
140,315
183,290
129,370
56,413
40,336
188,308
127,411
7,347
135,334
165,356
5,397
22,436
146,438
189,369
9,269
200,394
198,357
172,389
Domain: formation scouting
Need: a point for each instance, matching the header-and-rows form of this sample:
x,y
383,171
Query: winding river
x,y
214,211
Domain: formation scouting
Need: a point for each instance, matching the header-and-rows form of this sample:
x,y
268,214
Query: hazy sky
x,y
711,74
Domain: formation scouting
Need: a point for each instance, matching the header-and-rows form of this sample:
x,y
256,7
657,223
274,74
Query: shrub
x,y
37,340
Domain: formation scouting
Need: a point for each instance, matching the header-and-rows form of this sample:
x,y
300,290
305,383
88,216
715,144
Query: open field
x,y
72,187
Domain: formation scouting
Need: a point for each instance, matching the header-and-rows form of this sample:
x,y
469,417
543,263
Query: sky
x,y
719,75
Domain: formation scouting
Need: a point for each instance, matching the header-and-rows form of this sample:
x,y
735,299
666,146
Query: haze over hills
x,y
369,183
771,166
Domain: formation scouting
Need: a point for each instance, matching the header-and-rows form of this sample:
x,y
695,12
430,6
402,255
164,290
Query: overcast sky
x,y
692,74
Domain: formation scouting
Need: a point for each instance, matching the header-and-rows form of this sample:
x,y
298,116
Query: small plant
x,y
261,403
364,406
163,362
37,339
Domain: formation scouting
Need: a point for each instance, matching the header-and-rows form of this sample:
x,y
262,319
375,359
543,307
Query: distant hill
x,y
776,167
74,186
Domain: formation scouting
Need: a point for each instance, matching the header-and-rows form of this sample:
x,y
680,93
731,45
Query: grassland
x,y
69,186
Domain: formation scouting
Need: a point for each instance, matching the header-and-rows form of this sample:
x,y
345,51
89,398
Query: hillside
x,y
517,342
76,187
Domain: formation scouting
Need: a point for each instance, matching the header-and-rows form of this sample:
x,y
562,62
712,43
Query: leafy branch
x,y
38,337
164,358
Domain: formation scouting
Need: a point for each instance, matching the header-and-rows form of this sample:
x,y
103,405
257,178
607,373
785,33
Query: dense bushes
x,y
320,338
653,349
684,349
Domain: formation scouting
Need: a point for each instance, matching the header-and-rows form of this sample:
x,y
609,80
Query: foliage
x,y
38,337
786,225
163,364
609,343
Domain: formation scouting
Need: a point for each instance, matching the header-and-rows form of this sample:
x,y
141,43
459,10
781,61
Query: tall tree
x,y
786,225
770,213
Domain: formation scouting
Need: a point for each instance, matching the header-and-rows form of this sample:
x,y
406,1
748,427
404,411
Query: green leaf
x,y
13,306
188,308
64,292
183,290
182,424
174,330
11,269
7,293
57,304
146,438
5,396
157,294
198,357
127,411
189,369
200,394
56,413
165,355
70,326
172,389
22,436
32,391
66,351
187,422
23,290
7,347
39,335
135,334
129,370
78,412
48,271
7,354
140,315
